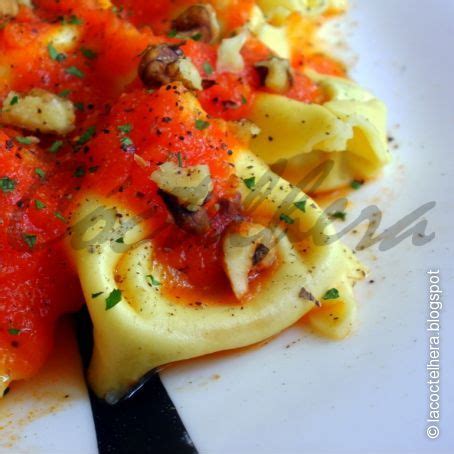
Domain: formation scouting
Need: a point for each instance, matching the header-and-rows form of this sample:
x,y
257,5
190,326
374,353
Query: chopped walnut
x,y
39,110
198,20
247,248
275,74
193,221
162,64
190,185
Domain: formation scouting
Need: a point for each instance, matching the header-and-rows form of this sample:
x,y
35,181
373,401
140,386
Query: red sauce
x,y
40,187
37,284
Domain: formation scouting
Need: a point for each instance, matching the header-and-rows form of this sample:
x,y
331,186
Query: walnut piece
x,y
39,110
275,74
198,21
163,64
247,248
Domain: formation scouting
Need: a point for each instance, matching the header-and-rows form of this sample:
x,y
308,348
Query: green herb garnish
x,y
64,93
14,331
7,184
126,142
342,215
126,128
40,173
73,20
287,219
88,53
55,146
74,71
54,54
332,294
151,279
58,215
201,124
86,136
301,205
79,172
356,184
113,299
29,239
249,182
14,100
208,68
24,140
39,205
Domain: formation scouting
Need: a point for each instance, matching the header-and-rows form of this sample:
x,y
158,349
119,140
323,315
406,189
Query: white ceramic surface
x,y
368,394
50,414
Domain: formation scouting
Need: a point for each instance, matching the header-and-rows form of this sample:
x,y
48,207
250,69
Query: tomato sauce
x,y
37,284
123,133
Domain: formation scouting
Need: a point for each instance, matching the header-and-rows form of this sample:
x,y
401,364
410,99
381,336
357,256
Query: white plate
x,y
368,394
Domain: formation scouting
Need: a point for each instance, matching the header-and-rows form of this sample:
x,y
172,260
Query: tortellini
x,y
275,37
147,329
349,130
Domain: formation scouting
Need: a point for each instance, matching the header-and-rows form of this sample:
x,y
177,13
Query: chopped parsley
x,y
86,136
126,142
24,140
30,240
79,106
55,146
301,205
243,100
196,37
113,299
249,182
74,71
95,295
7,184
79,172
201,124
356,184
208,68
40,173
14,100
116,9
287,219
54,54
64,93
120,240
153,281
332,294
39,205
14,331
88,53
172,33
72,20
342,215
126,128
58,215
